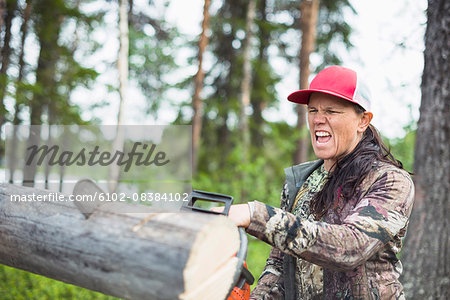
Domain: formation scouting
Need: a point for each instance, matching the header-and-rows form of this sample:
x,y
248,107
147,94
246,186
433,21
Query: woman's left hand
x,y
239,214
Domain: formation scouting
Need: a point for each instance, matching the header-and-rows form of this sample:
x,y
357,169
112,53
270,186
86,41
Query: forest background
x,y
61,64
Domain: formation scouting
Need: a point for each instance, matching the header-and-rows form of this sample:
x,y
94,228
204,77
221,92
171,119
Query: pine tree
x,y
426,253
197,103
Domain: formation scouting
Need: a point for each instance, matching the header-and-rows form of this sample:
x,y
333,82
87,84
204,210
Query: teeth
x,y
322,133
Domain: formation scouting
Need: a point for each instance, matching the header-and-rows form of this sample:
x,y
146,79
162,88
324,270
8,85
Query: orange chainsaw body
x,y
240,294
242,290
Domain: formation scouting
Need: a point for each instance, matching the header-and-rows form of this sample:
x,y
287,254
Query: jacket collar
x,y
296,176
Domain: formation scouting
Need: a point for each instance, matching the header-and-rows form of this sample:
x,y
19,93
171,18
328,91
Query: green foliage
x,y
403,148
332,29
57,72
260,179
153,48
257,254
16,284
151,56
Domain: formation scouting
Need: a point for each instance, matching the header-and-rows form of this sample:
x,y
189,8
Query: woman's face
x,y
335,126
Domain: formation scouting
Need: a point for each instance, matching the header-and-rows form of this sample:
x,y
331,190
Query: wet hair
x,y
350,170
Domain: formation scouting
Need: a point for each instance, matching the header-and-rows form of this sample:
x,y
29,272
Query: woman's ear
x,y
364,121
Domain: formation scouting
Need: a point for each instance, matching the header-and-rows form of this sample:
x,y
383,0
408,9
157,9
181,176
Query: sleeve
x,y
270,284
379,216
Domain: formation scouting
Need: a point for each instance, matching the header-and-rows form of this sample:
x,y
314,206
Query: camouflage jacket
x,y
356,245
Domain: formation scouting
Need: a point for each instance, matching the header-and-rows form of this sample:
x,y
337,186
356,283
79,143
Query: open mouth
x,y
322,137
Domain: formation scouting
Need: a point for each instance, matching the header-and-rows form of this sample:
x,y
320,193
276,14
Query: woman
x,y
339,228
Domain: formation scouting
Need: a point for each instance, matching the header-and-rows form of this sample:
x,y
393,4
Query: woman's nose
x,y
318,118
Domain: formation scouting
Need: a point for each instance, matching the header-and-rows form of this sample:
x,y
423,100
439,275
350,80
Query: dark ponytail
x,y
350,170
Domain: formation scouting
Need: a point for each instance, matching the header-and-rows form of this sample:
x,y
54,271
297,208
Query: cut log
x,y
149,255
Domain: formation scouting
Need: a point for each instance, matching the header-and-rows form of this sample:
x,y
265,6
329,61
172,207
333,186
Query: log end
x,y
212,262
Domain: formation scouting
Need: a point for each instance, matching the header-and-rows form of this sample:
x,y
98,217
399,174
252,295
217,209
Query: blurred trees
x,y
48,55
154,44
276,36
48,15
41,92
37,87
42,86
426,255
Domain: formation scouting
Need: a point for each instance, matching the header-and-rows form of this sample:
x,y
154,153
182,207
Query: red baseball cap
x,y
337,81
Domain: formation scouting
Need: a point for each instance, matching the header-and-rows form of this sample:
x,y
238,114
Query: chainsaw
x,y
242,280
240,290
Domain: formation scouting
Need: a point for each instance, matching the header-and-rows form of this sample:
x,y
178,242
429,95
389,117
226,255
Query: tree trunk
x,y
49,142
6,54
148,255
30,170
258,103
118,143
2,13
65,138
196,101
48,25
246,80
246,84
130,11
426,253
19,92
12,155
309,10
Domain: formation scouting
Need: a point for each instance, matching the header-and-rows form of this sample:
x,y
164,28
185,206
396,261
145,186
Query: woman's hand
x,y
239,214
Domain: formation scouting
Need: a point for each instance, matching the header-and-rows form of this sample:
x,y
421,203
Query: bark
x,y
148,255
309,10
118,143
197,101
426,253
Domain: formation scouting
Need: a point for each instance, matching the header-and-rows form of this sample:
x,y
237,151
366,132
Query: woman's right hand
x,y
239,214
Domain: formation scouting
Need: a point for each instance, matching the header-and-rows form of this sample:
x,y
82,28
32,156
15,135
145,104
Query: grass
x,y
17,285
257,254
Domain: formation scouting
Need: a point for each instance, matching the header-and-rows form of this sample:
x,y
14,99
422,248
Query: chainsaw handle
x,y
241,271
210,197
